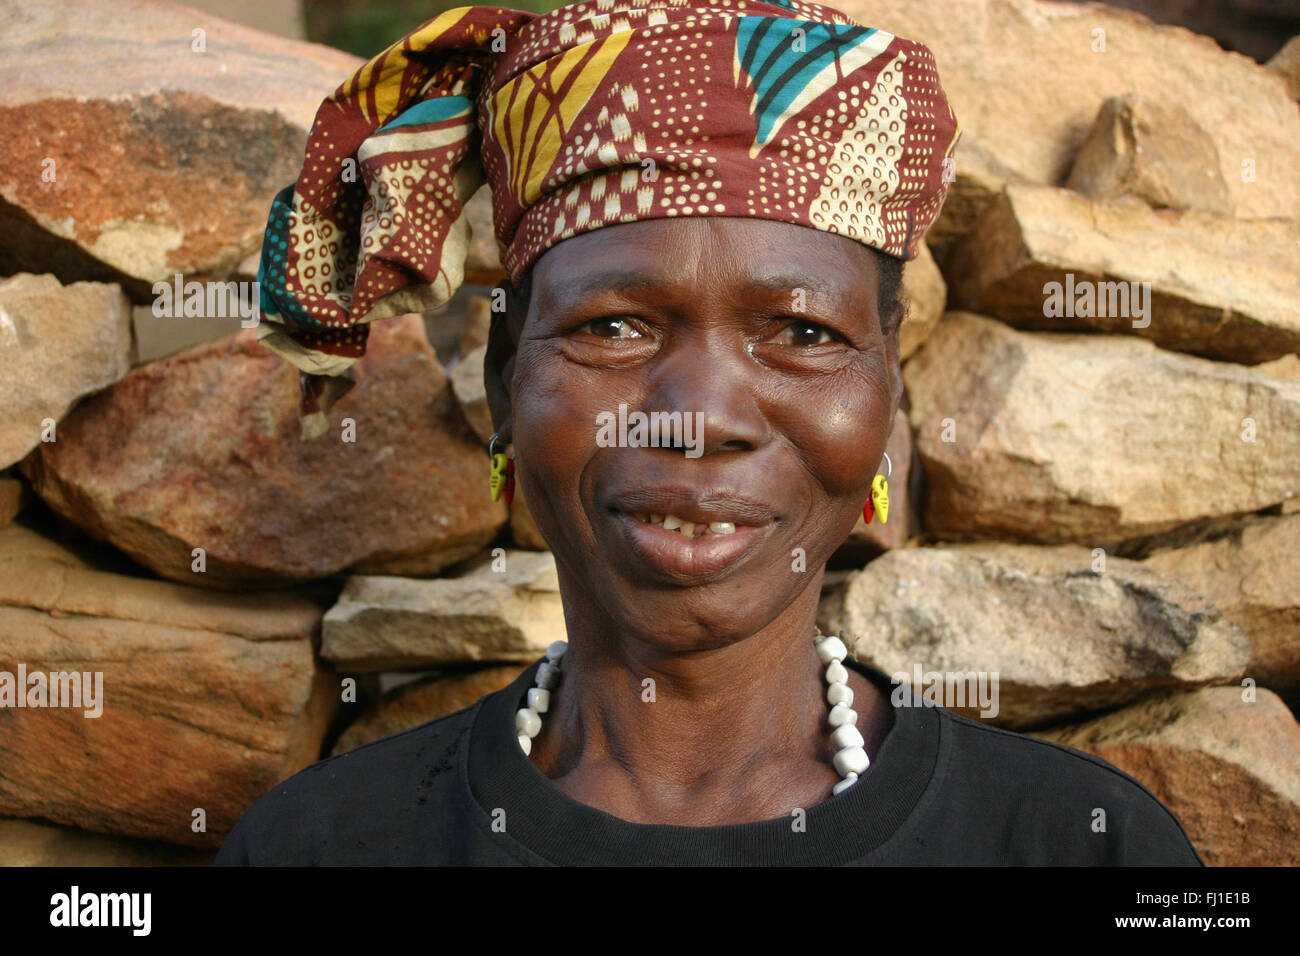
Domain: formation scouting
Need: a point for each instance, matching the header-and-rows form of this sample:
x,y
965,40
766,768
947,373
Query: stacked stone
x,y
1095,467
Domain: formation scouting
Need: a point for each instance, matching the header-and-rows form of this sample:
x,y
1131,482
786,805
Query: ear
x,y
509,310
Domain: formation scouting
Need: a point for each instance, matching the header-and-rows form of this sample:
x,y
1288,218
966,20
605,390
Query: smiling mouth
x,y
690,554
687,529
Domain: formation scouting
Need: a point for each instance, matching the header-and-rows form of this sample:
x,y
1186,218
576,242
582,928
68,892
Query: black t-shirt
x,y
941,790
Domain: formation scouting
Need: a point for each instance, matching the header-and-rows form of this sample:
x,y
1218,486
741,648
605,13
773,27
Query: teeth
x,y
686,528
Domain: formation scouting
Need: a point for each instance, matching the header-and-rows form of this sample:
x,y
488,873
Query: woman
x,y
703,211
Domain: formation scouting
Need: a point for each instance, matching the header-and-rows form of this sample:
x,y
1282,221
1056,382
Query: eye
x,y
801,332
610,327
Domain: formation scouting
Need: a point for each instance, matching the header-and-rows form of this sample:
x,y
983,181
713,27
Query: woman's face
x,y
766,335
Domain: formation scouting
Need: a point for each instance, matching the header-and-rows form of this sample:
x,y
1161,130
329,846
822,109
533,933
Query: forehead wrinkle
x,y
701,256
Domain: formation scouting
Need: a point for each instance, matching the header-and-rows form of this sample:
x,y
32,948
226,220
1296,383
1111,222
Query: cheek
x,y
546,415
554,409
841,430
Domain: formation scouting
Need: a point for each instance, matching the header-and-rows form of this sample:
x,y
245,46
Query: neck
x,y
728,735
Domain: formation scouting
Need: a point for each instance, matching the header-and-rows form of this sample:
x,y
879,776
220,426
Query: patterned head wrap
x,y
594,114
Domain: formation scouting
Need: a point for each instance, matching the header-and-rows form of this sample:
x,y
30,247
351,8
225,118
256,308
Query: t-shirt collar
x,y
529,809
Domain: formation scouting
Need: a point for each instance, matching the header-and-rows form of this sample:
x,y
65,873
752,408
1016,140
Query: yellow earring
x,y
501,481
879,500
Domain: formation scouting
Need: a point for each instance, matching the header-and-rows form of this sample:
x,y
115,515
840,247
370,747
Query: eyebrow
x,y
615,280
787,284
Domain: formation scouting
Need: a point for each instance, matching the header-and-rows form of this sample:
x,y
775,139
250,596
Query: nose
x,y
709,372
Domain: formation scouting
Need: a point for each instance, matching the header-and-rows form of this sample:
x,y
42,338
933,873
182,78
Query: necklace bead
x,y
842,714
846,735
850,760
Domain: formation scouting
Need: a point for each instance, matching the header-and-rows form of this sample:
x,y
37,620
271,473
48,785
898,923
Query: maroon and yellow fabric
x,y
594,114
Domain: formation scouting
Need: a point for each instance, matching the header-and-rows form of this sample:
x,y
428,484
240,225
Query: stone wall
x,y
1096,465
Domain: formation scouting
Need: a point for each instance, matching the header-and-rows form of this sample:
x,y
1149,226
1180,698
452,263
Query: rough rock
x,y
475,324
409,706
1154,151
281,17
207,699
1094,439
1256,28
926,296
467,382
13,498
1288,367
57,344
1063,638
1286,63
1228,768
201,450
27,843
389,623
482,258
159,336
81,226
1253,577
1026,80
165,156
1189,281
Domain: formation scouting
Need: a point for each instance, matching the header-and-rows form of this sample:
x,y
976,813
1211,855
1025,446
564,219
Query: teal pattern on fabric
x,y
429,111
782,64
272,275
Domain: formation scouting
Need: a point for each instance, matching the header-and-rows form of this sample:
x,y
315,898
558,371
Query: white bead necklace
x,y
850,756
